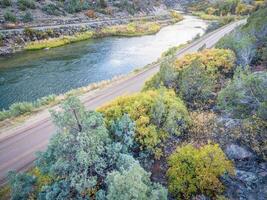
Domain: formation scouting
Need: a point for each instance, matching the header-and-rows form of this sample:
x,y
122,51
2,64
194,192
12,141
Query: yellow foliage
x,y
210,10
141,108
56,42
205,16
214,60
176,16
194,170
131,29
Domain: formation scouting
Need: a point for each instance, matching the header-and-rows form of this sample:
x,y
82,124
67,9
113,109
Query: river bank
x,y
85,63
12,41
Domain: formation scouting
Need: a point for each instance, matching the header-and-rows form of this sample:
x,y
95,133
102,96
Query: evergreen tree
x,y
78,153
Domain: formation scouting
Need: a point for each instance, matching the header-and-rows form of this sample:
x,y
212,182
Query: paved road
x,y
18,145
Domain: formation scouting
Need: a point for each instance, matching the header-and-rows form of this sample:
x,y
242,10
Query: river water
x,y
27,76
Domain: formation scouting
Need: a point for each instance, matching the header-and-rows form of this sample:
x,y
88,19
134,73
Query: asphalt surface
x,y
19,144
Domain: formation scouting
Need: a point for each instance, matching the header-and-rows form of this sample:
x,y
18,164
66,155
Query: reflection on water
x,y
30,75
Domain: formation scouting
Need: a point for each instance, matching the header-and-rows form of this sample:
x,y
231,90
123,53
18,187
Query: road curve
x,y
19,144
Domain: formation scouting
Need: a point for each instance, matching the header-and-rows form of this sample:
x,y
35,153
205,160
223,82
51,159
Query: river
x,y
27,76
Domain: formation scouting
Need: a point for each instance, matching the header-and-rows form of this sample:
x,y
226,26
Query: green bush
x,y
27,17
5,3
133,183
4,115
103,3
22,185
197,86
245,95
26,4
9,16
73,6
45,100
197,171
52,9
1,40
167,77
242,43
17,109
226,20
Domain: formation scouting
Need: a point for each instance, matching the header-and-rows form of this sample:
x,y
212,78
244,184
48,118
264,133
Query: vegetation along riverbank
x,y
51,37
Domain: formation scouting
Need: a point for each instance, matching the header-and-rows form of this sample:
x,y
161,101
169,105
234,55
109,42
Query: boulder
x,y
236,152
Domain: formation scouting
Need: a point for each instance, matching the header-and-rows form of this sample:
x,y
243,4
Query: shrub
x,y
103,3
9,16
133,183
197,86
4,115
157,114
242,44
176,16
252,133
245,95
41,179
203,128
45,100
17,109
213,26
26,4
123,131
27,17
1,40
226,20
31,33
167,76
197,170
73,6
171,51
57,42
52,9
131,29
5,3
216,61
22,185
90,14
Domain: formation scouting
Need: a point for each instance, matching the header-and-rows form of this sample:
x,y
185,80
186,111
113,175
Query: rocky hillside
x,y
41,11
